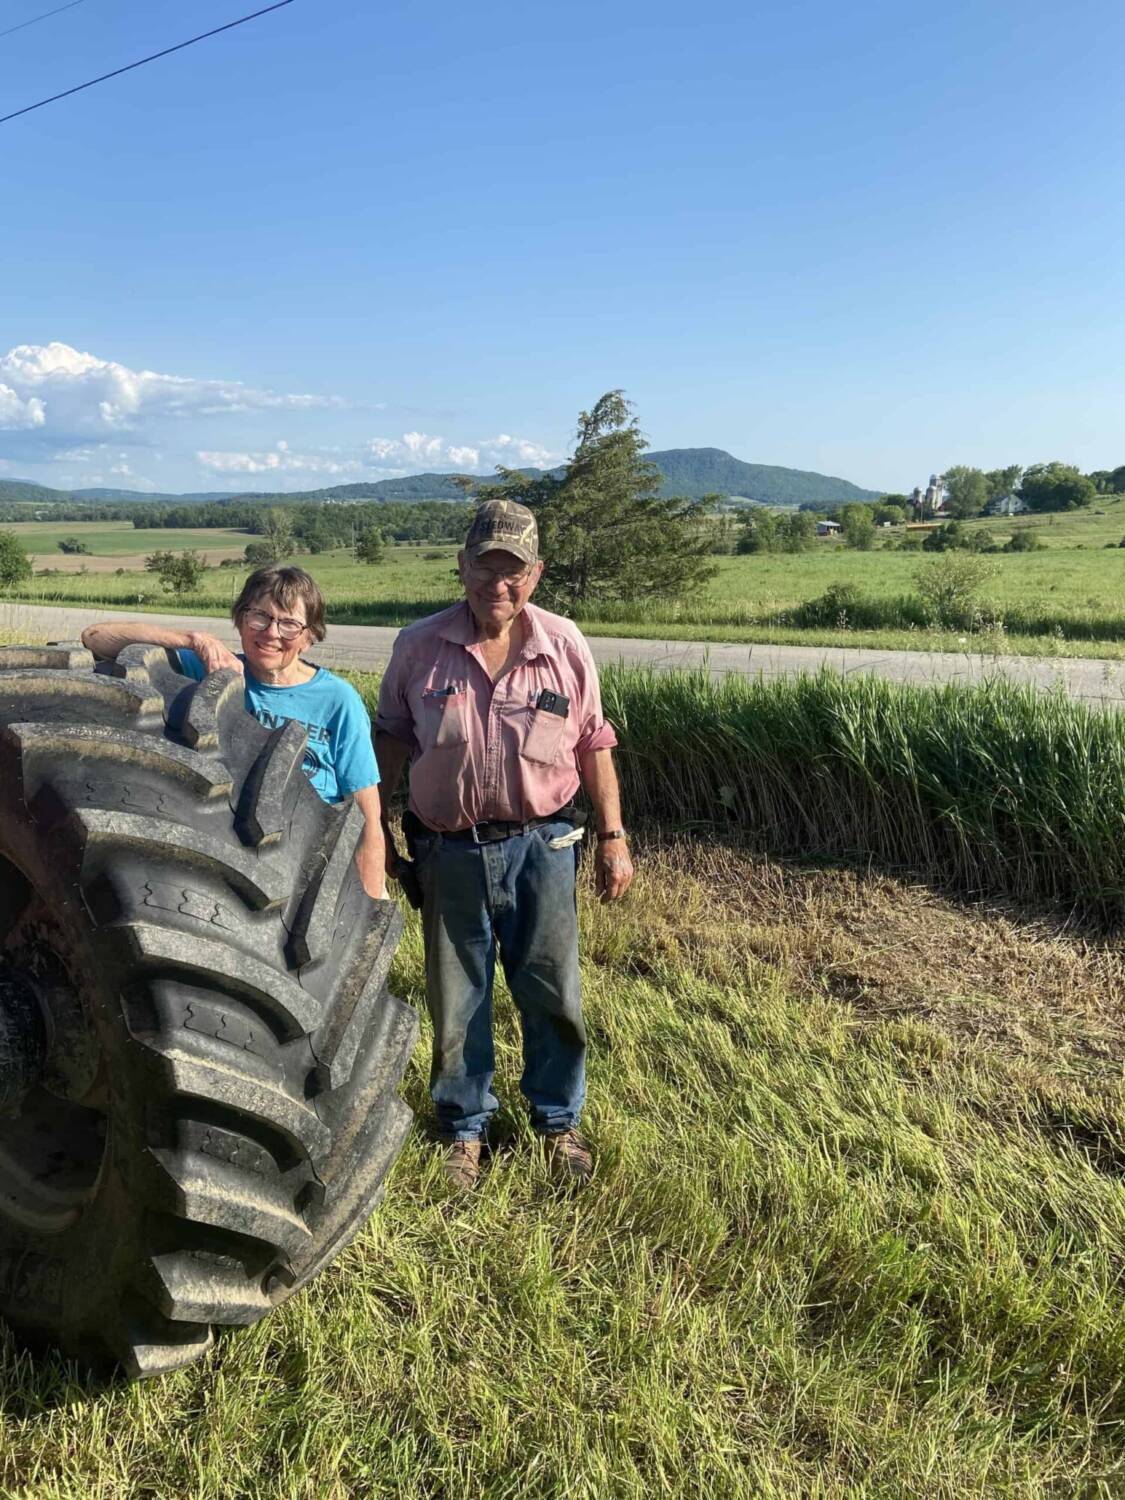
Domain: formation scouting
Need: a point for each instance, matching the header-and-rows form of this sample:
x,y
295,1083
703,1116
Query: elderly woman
x,y
279,612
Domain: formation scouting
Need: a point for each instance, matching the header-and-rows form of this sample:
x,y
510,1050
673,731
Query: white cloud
x,y
16,412
66,391
423,447
512,451
64,406
278,460
481,455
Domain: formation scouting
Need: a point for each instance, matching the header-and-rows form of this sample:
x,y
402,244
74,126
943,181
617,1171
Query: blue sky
x,y
350,240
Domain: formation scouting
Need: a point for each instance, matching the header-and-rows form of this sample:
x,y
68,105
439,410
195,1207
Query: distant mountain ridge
x,y
197,497
696,472
28,492
691,472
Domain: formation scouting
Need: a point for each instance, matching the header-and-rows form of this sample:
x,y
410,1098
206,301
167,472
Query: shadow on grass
x,y
36,1380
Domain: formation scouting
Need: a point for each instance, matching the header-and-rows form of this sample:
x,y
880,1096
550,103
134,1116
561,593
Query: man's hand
x,y
613,869
212,653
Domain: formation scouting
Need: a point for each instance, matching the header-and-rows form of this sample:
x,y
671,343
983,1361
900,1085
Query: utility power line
x,y
45,16
128,68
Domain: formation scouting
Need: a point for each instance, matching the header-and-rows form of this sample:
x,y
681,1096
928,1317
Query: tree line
x,y
969,492
323,526
1042,487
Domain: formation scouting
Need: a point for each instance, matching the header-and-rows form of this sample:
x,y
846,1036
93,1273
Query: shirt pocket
x,y
543,737
445,716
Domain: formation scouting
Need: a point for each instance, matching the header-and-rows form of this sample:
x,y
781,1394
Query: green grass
x,y
121,538
1065,596
823,1255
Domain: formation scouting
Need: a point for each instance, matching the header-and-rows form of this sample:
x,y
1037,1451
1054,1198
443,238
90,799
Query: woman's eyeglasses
x,y
258,621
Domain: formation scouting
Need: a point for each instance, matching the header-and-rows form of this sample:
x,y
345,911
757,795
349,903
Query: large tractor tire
x,y
199,1056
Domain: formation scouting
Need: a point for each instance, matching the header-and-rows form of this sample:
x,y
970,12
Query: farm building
x,y
1007,505
827,528
929,503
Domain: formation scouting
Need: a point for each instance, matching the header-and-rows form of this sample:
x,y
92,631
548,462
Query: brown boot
x,y
461,1164
569,1158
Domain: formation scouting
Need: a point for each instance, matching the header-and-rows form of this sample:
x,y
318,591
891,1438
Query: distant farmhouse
x,y
827,528
929,504
1007,505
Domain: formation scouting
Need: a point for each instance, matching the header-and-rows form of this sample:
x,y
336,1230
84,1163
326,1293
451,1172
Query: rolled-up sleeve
x,y
595,732
393,715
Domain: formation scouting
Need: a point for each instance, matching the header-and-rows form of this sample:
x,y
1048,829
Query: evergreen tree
x,y
369,545
604,533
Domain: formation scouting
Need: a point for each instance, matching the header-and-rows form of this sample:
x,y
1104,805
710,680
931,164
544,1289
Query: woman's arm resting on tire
x,y
369,857
108,637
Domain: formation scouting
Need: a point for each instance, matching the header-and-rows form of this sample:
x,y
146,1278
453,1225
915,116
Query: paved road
x,y
367,647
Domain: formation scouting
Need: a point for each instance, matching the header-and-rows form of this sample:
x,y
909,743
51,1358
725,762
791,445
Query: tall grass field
x,y
992,790
995,789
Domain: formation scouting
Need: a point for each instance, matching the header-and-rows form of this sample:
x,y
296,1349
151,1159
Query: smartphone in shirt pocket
x,y
547,715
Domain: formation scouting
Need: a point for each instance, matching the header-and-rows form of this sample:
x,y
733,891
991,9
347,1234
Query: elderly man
x,y
496,704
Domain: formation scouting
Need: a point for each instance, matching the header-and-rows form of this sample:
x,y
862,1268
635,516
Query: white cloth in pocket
x,y
565,840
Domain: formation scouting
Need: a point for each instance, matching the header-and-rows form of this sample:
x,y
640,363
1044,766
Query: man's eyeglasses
x,y
511,576
258,621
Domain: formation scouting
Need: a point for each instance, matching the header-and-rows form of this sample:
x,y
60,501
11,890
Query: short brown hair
x,y
283,586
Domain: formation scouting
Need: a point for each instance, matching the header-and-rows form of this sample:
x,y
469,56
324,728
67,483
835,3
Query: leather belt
x,y
493,833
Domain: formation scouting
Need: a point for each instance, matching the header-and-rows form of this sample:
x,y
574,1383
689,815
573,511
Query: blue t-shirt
x,y
339,759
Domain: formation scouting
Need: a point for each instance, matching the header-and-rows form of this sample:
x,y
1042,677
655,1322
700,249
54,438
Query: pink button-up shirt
x,y
485,751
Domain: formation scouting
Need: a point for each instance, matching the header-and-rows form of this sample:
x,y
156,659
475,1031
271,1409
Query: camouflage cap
x,y
505,526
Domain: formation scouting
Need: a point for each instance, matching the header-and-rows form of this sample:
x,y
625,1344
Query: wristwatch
x,y
612,833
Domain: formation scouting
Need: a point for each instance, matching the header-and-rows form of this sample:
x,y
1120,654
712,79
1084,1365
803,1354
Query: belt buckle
x,y
497,838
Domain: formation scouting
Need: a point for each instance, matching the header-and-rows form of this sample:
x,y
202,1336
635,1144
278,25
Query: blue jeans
x,y
515,897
